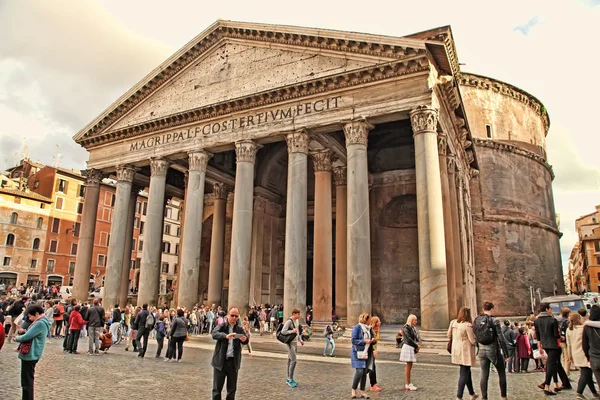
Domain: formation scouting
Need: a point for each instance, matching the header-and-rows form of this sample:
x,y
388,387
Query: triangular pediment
x,y
233,61
236,70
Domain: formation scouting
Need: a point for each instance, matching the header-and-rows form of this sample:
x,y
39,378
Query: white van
x,y
98,293
66,292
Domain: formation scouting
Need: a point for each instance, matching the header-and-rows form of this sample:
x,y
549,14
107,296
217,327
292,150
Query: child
x,y
161,332
106,340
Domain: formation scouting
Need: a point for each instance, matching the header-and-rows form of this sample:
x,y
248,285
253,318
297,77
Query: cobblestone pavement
x,y
122,375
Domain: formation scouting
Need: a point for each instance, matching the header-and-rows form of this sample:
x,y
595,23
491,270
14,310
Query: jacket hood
x,y
45,321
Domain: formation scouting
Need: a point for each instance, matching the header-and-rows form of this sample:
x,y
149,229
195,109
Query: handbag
x,y
187,336
24,347
363,354
449,345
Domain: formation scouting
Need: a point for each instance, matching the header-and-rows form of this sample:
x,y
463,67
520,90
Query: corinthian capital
x,y
442,144
245,151
93,177
125,173
198,160
158,167
423,119
322,161
339,176
357,131
220,191
297,142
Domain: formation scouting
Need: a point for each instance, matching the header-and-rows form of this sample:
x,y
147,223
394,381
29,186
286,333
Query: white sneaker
x,y
410,387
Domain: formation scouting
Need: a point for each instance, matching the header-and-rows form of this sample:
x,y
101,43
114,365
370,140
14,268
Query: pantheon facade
x,y
347,171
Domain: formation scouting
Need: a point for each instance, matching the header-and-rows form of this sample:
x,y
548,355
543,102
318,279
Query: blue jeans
x,y
327,343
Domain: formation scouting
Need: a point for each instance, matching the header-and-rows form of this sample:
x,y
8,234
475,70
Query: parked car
x,y
572,302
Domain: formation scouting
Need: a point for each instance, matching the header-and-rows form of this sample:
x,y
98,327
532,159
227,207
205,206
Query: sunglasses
x,y
234,315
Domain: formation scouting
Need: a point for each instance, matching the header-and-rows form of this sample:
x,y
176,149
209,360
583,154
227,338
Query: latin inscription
x,y
243,122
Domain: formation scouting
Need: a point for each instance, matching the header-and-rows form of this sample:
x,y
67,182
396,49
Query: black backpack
x,y
484,329
287,339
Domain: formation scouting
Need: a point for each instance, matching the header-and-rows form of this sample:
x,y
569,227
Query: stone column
x,y
150,266
124,288
430,220
258,232
217,245
241,226
456,250
118,231
189,269
274,256
323,246
450,267
85,247
296,221
341,237
359,232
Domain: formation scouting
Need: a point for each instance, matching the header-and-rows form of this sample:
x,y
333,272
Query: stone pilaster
x,y
430,221
151,253
241,228
85,247
294,288
450,267
323,247
189,268
118,231
258,229
217,245
358,234
456,247
341,237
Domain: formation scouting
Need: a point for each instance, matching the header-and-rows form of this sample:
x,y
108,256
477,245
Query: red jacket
x,y
76,322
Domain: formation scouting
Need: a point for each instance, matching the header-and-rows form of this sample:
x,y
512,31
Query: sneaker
x,y
289,382
376,388
97,353
410,387
294,383
331,355
178,361
580,397
166,359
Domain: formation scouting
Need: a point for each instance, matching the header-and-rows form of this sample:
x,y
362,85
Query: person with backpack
x,y
145,324
492,349
548,335
577,355
591,341
563,325
58,314
291,328
329,341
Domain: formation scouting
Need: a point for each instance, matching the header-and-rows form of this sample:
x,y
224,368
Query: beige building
x,y
348,171
584,262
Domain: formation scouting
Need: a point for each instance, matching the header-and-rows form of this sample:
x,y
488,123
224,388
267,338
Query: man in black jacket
x,y
14,312
227,357
548,335
95,317
493,350
143,332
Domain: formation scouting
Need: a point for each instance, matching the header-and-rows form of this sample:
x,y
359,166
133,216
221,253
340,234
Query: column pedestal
x,y
294,275
151,253
359,231
85,247
430,221
241,228
217,245
322,259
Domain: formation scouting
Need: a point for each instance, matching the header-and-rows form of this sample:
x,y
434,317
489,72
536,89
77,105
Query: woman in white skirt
x,y
409,349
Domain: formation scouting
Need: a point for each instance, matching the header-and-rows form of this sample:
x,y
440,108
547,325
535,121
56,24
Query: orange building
x,y
584,262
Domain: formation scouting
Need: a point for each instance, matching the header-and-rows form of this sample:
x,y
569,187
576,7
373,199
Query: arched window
x,y
36,244
14,217
40,222
10,240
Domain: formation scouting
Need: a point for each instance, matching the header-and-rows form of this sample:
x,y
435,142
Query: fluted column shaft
x,y
456,253
341,229
258,233
192,230
358,234
430,220
241,226
294,286
450,267
124,287
151,253
118,230
85,247
217,245
323,244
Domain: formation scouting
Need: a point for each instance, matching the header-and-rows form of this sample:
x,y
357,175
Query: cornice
x,y
265,98
517,221
482,82
492,144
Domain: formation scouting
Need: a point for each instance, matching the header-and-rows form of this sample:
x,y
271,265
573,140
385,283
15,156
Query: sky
x,y
62,62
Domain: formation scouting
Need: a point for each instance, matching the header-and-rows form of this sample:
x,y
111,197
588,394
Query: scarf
x,y
366,331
